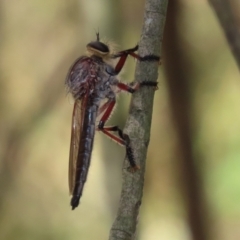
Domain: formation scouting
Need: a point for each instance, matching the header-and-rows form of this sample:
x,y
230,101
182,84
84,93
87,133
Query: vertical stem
x,y
139,121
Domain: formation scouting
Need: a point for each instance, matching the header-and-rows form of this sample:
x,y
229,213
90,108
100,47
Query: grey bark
x,y
139,122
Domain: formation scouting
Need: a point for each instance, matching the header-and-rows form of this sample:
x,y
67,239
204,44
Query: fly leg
x,y
122,139
136,86
124,54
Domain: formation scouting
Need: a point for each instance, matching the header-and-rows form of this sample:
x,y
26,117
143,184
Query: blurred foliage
x,y
39,41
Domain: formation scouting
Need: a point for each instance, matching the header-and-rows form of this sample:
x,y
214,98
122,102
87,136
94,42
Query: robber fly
x,y
93,84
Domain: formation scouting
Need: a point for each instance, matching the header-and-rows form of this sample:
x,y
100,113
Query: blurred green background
x,y
39,40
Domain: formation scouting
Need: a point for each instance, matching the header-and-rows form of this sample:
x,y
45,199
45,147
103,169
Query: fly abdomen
x,y
85,150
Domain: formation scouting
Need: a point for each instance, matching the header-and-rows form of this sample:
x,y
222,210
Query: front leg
x,y
124,54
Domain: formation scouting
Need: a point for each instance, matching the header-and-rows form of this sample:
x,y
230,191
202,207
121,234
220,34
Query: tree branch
x,y
139,121
229,24
179,80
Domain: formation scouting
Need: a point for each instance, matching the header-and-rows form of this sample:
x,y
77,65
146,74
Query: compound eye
x,y
98,47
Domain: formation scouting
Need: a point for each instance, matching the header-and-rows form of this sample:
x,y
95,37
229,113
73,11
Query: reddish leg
x,y
129,89
103,108
108,106
124,54
123,139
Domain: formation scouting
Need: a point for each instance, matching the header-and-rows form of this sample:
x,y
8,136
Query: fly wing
x,y
74,145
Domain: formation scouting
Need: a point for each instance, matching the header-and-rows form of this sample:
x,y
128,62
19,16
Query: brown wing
x,y
77,122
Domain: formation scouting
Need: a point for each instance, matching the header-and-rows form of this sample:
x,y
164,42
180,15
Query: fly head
x,y
98,48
